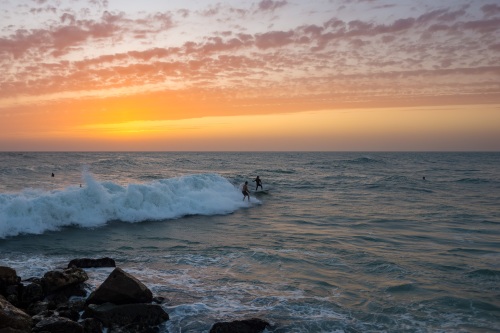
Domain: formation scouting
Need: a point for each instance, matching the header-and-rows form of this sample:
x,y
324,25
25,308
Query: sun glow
x,y
313,130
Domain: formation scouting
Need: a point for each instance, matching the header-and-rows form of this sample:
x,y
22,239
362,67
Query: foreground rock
x,y
13,319
47,300
57,280
8,276
127,314
121,288
122,304
58,325
253,325
91,263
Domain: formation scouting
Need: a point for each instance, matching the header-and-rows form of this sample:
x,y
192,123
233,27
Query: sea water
x,y
336,242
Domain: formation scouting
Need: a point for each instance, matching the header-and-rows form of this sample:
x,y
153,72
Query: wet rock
x,y
56,280
89,263
12,294
13,319
68,312
30,294
8,276
63,295
42,315
92,325
121,288
133,329
253,325
127,314
39,307
10,284
58,325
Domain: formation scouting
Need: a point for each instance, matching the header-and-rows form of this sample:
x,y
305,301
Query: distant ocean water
x,y
337,242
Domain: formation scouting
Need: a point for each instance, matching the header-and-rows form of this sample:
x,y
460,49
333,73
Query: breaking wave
x,y
34,211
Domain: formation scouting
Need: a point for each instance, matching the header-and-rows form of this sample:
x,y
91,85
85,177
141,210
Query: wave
x,y
37,211
363,160
405,287
473,181
485,273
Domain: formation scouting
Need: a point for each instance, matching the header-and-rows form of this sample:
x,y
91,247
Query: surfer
x,y
245,192
258,182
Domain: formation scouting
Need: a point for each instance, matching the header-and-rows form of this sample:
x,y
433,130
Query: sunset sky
x,y
250,75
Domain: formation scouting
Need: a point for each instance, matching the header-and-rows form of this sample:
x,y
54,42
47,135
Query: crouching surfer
x,y
245,191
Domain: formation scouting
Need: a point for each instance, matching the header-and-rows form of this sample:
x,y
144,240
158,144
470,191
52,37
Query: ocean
x,y
336,242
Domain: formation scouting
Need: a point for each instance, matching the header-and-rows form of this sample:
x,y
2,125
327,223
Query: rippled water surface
x,y
337,242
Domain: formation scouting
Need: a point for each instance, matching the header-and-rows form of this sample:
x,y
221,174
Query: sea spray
x,y
35,211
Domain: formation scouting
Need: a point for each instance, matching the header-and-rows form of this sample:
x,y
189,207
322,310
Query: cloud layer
x,y
325,54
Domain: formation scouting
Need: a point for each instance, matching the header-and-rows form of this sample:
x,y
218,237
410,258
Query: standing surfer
x,y
245,191
258,182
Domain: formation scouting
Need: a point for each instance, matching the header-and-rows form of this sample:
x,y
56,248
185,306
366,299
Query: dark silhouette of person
x,y
258,182
245,191
52,174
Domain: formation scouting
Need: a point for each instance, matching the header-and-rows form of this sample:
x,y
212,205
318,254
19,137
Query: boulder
x,y
92,325
58,325
120,288
30,294
68,312
42,315
89,263
13,319
9,284
56,280
253,325
39,307
127,314
12,293
8,276
132,329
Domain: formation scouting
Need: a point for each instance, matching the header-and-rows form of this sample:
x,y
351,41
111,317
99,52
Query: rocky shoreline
x,y
59,302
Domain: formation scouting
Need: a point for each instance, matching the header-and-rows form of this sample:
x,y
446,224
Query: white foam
x,y
96,203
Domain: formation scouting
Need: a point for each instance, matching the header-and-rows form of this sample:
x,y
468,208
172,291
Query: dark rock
x,y
68,312
33,280
11,330
64,294
253,325
121,288
127,314
39,307
10,284
158,300
133,329
57,280
42,315
12,318
88,263
31,293
92,325
8,276
12,293
58,325
77,305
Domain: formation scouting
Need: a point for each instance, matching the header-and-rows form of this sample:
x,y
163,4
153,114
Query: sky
x,y
250,75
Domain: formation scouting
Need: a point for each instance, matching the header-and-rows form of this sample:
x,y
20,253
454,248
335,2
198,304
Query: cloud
x,y
441,51
274,39
270,5
491,10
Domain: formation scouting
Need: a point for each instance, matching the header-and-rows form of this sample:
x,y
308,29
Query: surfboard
x,y
261,192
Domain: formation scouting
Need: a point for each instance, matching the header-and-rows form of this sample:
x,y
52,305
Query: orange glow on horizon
x,y
346,129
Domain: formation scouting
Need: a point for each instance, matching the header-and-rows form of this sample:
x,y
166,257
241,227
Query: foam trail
x,y
35,211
